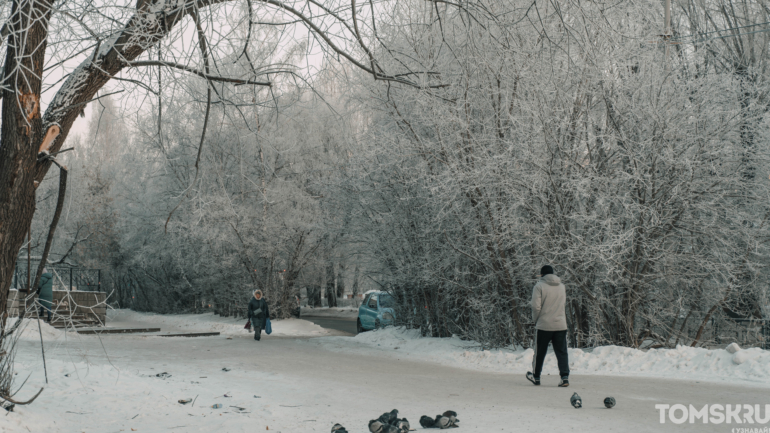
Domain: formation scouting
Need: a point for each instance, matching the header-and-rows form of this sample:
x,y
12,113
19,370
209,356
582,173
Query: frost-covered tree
x,y
59,55
252,216
508,135
566,136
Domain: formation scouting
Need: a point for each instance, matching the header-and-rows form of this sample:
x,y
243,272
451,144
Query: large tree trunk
x,y
23,128
22,132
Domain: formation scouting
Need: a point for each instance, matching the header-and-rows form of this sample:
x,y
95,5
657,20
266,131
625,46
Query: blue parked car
x,y
376,311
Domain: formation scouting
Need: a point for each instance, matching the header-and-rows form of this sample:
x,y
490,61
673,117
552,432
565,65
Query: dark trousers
x,y
559,340
42,310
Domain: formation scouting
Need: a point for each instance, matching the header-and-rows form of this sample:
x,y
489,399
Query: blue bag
x,y
268,327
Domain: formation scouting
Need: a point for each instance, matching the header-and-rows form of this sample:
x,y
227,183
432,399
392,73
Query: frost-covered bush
x,y
568,140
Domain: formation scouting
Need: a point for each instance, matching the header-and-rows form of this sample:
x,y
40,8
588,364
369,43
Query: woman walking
x,y
258,313
45,294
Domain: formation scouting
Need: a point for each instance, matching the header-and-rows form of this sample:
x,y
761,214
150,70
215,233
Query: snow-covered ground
x,y
114,383
89,393
335,312
749,366
209,322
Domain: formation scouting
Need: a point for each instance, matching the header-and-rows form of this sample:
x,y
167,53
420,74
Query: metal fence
x,y
64,278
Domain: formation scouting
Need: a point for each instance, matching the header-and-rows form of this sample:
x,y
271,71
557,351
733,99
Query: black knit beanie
x,y
545,270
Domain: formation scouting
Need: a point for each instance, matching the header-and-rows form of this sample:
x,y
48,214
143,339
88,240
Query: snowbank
x,y
337,312
208,322
747,365
29,330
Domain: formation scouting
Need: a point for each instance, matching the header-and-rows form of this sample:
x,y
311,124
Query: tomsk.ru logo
x,y
716,414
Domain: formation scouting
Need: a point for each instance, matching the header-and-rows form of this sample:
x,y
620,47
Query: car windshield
x,y
387,301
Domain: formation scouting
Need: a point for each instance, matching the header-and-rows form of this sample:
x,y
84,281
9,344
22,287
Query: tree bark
x,y
22,132
23,128
54,223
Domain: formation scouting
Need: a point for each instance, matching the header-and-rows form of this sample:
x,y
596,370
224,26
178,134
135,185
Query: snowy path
x,y
346,326
308,384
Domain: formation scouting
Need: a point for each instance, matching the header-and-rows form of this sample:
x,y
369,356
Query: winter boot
x,y
531,377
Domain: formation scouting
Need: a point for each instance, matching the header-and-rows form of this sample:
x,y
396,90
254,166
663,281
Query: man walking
x,y
548,313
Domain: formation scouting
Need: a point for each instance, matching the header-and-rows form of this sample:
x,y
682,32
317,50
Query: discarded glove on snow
x,y
576,401
338,429
446,420
609,402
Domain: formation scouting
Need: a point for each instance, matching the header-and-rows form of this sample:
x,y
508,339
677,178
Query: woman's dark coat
x,y
45,290
258,312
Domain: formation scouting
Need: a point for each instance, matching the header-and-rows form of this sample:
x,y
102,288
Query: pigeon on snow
x,y
576,401
446,420
338,429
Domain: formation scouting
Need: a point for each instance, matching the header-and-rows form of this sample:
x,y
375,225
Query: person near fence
x,y
549,314
45,293
258,313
